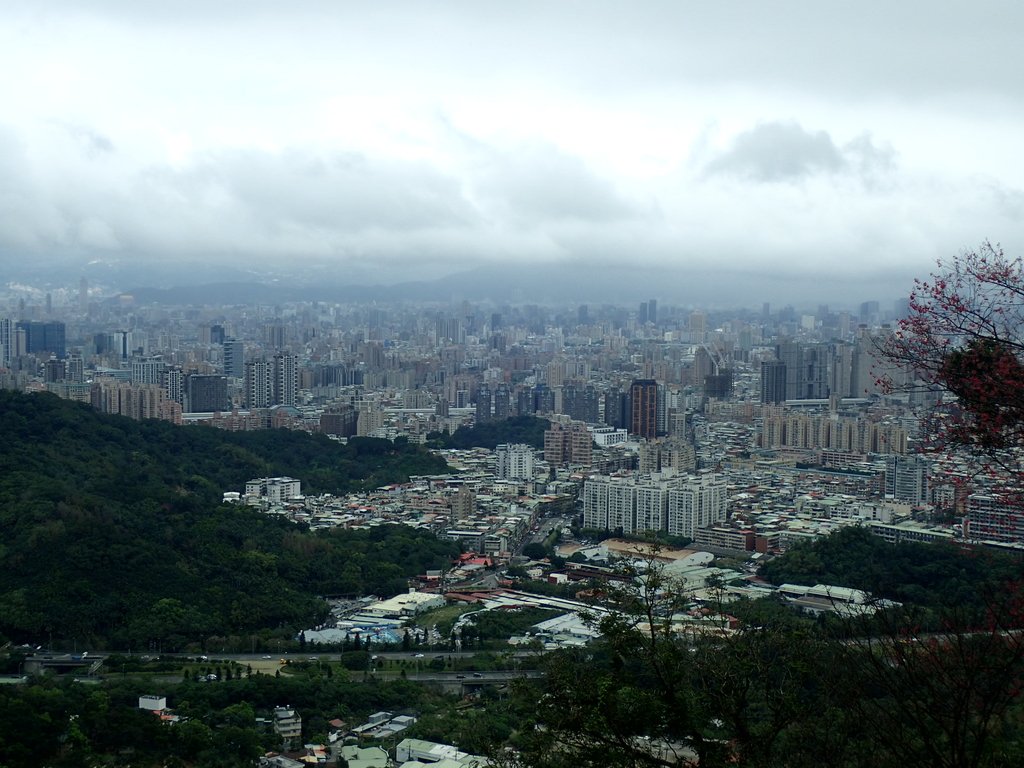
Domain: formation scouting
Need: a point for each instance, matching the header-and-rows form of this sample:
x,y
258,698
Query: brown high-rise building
x,y
568,445
643,408
463,505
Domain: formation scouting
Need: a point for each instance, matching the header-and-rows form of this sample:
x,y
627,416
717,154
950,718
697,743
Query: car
x,y
477,674
267,657
460,677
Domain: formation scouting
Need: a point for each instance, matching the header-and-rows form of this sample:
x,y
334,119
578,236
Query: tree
x,y
657,691
535,551
947,698
963,339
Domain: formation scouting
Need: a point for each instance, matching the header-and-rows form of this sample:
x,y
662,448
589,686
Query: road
x,y
424,656
466,678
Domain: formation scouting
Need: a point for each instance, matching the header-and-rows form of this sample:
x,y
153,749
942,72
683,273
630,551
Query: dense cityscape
x,y
570,384
695,456
782,423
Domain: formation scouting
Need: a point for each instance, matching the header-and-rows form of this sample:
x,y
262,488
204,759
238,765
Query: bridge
x,y
62,663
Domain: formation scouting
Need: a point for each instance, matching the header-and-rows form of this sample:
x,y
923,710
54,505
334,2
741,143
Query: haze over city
x,y
732,153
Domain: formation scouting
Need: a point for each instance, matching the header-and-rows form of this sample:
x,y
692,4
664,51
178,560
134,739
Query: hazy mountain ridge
x,y
549,284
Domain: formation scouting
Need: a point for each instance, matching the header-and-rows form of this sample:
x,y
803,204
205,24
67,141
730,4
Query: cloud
x,y
778,152
786,152
92,143
238,131
347,191
1008,201
868,161
537,182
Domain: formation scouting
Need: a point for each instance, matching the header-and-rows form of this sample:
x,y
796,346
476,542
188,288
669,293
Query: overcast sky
x,y
422,137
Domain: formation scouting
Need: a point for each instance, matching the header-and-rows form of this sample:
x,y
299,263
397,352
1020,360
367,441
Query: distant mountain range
x,y
548,284
213,282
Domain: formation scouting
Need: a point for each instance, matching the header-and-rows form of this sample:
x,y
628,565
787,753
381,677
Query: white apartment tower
x,y
660,501
700,502
148,370
991,518
286,378
513,462
259,384
906,478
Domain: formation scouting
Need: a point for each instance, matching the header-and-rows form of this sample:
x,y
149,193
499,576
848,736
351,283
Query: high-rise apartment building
x,y
698,328
502,402
6,341
369,418
782,428
543,399
643,405
464,504
44,338
341,420
286,379
699,502
76,368
259,384
148,370
120,343
483,404
807,368
661,501
206,393
674,453
54,370
174,384
137,401
991,518
773,381
234,359
616,412
906,478
271,382
513,462
568,445
275,335
581,403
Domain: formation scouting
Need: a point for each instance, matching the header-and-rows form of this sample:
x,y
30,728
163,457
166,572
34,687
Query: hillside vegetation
x,y
112,531
934,576
490,434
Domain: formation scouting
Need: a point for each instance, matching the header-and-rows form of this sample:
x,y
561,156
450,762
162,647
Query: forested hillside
x,y
490,434
934,576
112,531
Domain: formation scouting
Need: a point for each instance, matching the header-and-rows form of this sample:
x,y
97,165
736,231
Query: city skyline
x,y
797,148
